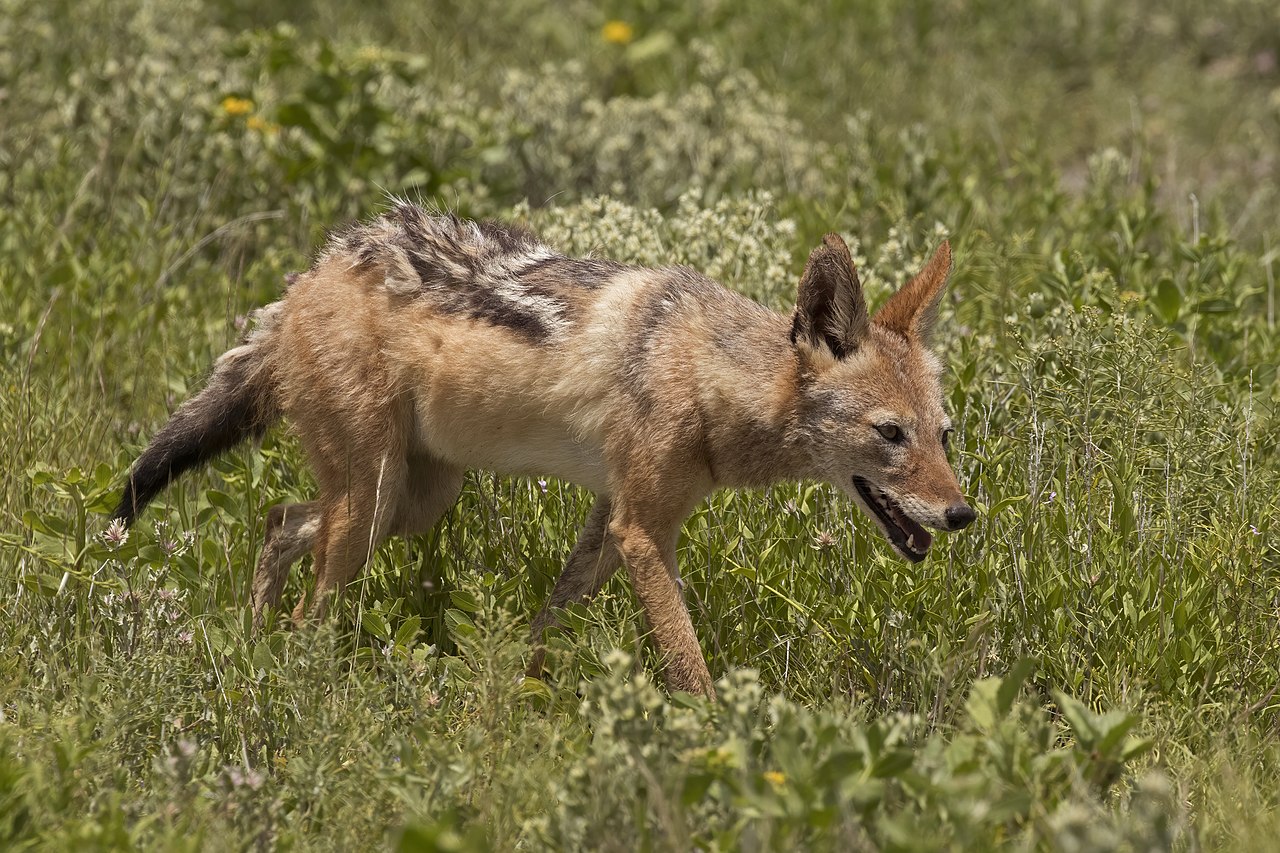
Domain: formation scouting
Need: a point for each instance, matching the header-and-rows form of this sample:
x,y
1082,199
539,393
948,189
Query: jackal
x,y
418,346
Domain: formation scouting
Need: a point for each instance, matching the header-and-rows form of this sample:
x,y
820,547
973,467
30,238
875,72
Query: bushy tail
x,y
239,402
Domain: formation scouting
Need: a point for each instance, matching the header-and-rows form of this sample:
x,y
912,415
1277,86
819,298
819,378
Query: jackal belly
x,y
488,400
517,445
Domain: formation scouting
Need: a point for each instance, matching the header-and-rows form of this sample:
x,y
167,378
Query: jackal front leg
x,y
592,562
647,542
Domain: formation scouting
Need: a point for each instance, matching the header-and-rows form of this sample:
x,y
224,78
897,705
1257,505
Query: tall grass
x,y
1092,665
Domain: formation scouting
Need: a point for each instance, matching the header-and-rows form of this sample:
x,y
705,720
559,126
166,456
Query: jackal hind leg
x,y
431,487
406,498
357,514
593,560
292,531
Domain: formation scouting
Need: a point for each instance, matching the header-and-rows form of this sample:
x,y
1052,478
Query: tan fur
x,y
419,347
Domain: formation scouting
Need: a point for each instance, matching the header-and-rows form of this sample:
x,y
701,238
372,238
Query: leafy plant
x,y
1110,348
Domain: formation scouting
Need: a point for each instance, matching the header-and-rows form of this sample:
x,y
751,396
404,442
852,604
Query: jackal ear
x,y
911,311
830,309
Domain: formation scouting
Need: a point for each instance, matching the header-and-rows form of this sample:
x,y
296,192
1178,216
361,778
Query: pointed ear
x,y
830,310
911,311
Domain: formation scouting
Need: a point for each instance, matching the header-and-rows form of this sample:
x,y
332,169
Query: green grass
x,y
1093,665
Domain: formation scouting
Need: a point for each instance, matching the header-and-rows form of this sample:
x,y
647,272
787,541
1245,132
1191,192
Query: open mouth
x,y
909,538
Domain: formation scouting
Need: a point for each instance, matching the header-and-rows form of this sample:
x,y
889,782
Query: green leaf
x,y
53,526
535,688
104,476
1114,725
695,787
1005,504
1012,683
1135,747
983,703
892,763
681,699
1014,804
864,793
459,623
991,699
1167,300
407,634
1122,500
373,623
262,658
1080,718
465,601
222,501
841,764
42,584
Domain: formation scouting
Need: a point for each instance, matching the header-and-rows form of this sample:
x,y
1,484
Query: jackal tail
x,y
238,402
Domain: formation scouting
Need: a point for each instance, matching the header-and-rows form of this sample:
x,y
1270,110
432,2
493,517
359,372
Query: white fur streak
x,y
546,308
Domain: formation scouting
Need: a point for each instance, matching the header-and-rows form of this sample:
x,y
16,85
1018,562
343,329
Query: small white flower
x,y
116,534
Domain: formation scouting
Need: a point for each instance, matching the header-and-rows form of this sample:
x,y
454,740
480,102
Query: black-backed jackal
x,y
420,345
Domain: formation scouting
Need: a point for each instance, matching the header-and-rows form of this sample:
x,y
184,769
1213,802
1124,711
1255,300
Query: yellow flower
x,y
617,32
234,106
260,124
775,778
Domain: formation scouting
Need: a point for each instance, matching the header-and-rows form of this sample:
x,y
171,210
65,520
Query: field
x,y
1095,664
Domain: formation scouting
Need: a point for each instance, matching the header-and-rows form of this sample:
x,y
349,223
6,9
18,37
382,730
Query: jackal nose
x,y
960,516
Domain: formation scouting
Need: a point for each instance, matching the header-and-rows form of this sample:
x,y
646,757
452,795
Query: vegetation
x,y
1093,665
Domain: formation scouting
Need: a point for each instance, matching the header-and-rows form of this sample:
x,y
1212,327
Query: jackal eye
x,y
946,437
890,432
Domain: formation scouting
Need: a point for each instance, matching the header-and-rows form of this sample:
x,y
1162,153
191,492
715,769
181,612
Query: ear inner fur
x,y
830,308
911,311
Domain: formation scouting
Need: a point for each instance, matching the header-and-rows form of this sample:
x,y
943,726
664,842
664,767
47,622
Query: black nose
x,y
960,516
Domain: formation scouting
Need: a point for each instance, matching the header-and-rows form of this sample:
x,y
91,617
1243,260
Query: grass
x,y
1091,666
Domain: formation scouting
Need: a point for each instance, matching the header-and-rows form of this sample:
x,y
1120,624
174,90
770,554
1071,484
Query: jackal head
x,y
871,399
